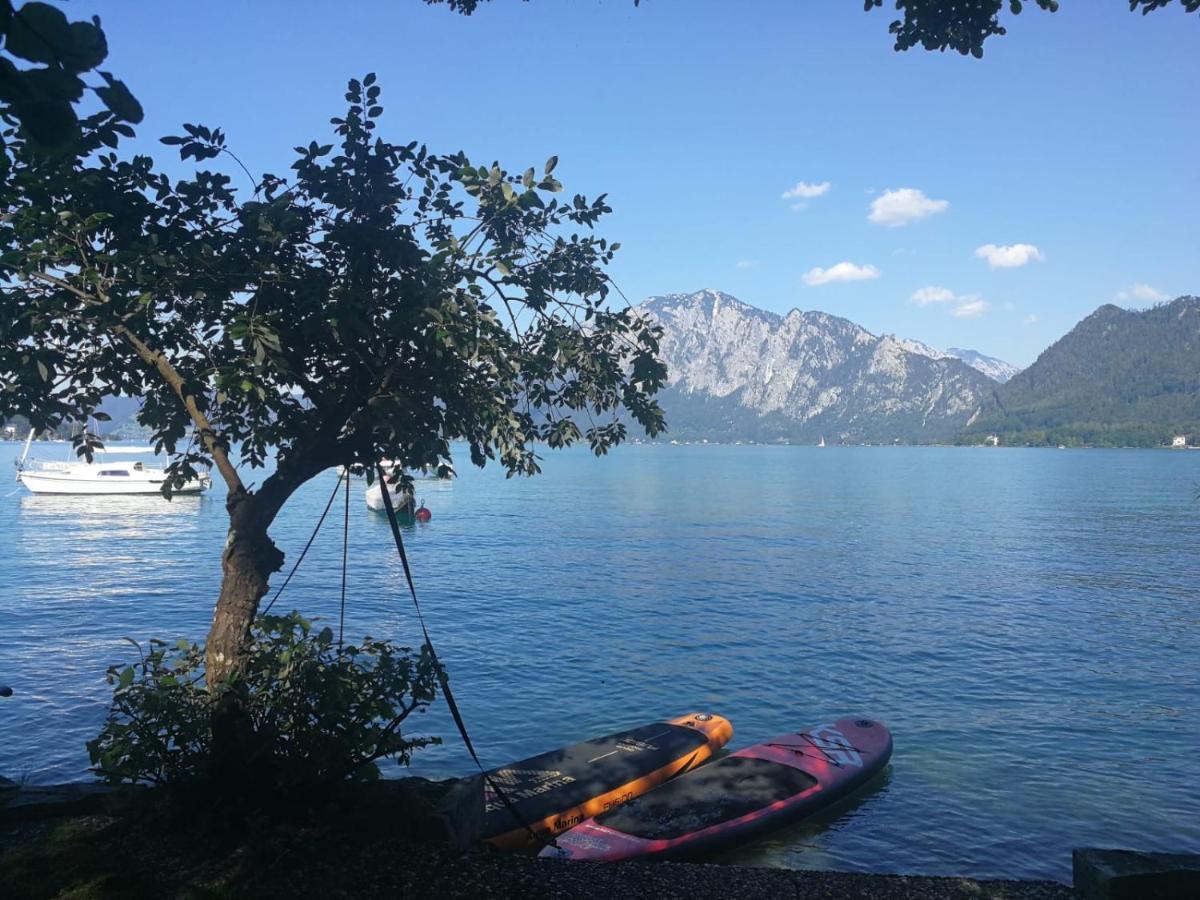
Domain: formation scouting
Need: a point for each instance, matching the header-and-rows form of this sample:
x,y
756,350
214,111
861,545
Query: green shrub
x,y
319,715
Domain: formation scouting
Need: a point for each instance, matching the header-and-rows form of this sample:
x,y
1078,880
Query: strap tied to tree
x,y
441,673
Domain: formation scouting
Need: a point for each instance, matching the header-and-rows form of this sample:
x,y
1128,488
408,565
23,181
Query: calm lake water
x,y
1027,622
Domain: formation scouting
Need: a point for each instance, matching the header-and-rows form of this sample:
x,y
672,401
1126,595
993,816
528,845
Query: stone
x,y
1101,874
462,812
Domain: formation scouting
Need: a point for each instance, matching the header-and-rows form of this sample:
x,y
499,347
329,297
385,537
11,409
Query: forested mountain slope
x,y
1118,378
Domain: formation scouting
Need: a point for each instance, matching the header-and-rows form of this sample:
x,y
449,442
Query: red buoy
x,y
422,514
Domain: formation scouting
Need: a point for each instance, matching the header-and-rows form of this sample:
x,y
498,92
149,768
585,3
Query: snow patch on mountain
x,y
995,369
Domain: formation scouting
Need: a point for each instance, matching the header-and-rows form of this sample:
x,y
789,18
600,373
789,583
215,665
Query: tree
x,y
382,301
961,25
41,99
964,26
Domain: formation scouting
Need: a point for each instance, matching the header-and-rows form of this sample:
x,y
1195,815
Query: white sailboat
x,y
105,475
821,443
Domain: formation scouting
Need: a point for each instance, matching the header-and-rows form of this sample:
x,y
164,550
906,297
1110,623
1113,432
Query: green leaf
x,y
550,164
53,84
119,100
51,124
88,47
39,33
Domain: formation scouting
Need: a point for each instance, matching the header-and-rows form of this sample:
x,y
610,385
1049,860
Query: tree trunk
x,y
249,560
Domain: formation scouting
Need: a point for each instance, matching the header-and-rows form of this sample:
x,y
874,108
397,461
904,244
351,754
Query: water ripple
x,y
1026,622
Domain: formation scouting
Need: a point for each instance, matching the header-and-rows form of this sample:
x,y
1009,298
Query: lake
x,y
1027,622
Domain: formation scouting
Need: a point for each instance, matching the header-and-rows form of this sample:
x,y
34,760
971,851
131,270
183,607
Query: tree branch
x,y
174,380
208,436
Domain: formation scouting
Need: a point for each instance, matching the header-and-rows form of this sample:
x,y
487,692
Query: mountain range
x,y
735,372
738,372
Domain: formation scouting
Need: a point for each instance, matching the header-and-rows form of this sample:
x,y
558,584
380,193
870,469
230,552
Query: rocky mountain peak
x,y
736,371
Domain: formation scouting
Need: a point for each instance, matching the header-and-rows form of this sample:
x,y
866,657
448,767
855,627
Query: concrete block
x,y
1101,874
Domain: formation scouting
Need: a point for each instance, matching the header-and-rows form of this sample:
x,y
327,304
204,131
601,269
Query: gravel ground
x,y
487,875
387,846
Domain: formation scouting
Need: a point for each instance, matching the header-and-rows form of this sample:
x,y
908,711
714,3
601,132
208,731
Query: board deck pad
x,y
556,790
724,790
743,795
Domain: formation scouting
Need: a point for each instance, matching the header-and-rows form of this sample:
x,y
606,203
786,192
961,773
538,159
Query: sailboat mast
x,y
25,452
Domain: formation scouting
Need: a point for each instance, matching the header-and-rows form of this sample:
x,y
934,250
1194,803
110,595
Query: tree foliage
x,y
319,713
961,25
42,61
964,25
382,299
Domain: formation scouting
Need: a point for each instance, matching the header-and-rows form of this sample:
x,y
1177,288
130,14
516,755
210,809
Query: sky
x,y
779,151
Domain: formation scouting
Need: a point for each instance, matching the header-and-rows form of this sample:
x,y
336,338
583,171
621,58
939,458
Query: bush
x,y
319,715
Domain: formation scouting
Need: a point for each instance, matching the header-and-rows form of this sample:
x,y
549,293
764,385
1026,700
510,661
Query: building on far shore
x,y
1180,440
992,440
10,432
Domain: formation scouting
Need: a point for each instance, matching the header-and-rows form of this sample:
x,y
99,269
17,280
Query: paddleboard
x,y
738,797
557,790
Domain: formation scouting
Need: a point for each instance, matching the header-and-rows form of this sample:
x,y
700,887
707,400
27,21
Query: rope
x,y
345,552
311,538
443,680
441,673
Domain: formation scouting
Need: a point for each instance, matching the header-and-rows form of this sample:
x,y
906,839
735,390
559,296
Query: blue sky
x,y
1077,135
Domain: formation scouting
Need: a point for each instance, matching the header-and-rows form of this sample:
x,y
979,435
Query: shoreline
x,y
84,840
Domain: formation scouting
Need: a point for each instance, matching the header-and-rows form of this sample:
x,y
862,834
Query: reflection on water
x,y
87,532
136,512
1026,623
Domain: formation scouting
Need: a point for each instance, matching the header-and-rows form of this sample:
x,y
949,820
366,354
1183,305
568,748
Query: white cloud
x,y
1140,292
843,271
971,307
967,306
1009,257
747,263
805,191
932,294
895,208
1030,319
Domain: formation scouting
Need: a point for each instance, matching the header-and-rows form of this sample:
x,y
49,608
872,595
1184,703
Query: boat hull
x,y
56,483
401,500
